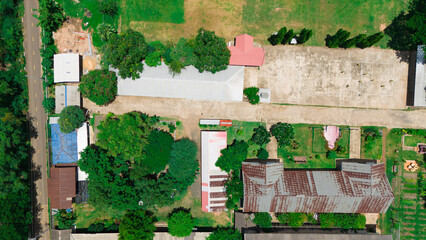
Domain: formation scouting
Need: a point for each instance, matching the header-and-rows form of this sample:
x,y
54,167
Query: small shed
x,y
300,159
244,54
61,186
66,67
66,96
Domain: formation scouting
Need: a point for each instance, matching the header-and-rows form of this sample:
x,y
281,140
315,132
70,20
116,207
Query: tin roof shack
x,y
356,188
66,67
61,186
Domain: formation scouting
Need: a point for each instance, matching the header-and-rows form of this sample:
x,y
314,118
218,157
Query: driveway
x,y
269,113
38,120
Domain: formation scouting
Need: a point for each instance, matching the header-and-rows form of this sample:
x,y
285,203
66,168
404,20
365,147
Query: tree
x,y
125,134
99,86
211,52
331,154
137,224
293,219
304,36
49,105
156,51
108,7
283,132
234,190
370,40
183,52
157,153
275,39
353,41
183,163
261,136
225,233
233,156
262,219
180,223
51,15
252,95
105,31
337,39
70,118
287,37
65,219
126,52
262,154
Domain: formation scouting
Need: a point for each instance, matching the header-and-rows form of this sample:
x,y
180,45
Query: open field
x,y
259,18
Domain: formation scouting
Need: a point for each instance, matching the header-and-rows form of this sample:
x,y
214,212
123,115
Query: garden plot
x,y
369,78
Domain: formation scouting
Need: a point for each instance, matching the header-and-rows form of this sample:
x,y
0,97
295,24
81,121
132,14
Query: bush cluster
x,y
341,39
342,220
284,37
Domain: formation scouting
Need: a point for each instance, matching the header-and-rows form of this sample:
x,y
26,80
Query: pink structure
x,y
213,197
244,54
331,134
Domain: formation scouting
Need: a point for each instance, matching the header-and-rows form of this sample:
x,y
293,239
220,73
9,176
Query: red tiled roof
x,y
61,186
244,54
357,188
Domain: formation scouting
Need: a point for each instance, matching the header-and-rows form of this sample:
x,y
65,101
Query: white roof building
x,y
226,85
213,197
66,67
82,143
420,85
66,96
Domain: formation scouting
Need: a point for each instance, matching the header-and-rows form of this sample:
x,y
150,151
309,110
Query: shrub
x,y
252,94
49,105
262,154
283,132
331,155
262,219
261,136
370,40
287,37
137,224
98,226
171,127
211,51
99,86
180,223
70,118
337,39
275,39
304,36
225,233
65,219
353,41
327,220
293,219
233,156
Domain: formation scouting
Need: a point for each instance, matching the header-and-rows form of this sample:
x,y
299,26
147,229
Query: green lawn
x,y
413,140
376,151
168,11
87,214
304,136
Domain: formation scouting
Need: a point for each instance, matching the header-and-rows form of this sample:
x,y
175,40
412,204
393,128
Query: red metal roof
x,y
357,188
61,186
244,54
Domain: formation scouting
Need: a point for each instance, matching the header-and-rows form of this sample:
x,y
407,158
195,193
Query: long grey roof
x,y
420,85
226,85
357,188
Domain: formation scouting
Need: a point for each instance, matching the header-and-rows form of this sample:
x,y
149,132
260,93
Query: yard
x,y
179,18
372,148
312,145
407,216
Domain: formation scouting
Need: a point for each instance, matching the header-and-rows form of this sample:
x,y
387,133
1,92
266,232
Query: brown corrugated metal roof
x,y
61,186
358,188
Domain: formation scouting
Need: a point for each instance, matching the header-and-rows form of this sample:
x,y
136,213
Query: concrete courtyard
x,y
363,78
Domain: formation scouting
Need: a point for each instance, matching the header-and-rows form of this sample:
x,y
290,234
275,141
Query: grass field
x,y
312,145
376,151
413,140
259,18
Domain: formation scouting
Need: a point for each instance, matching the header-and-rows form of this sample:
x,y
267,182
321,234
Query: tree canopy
x,y
234,190
180,223
261,136
125,134
262,219
125,52
183,164
225,233
211,52
157,153
137,224
108,7
65,219
283,132
99,86
252,95
70,118
233,156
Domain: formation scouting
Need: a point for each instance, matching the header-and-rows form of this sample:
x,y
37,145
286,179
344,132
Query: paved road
x,y
270,113
38,116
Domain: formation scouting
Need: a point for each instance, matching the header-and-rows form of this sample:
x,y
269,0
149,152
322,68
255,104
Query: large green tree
x,y
137,224
283,132
225,233
99,86
70,118
233,156
234,189
183,164
180,223
157,152
262,219
211,52
125,134
334,41
126,52
261,136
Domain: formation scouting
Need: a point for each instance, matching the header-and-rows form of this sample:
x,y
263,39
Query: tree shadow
x,y
32,130
35,175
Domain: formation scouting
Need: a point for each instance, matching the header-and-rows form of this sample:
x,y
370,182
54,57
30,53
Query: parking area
x,y
364,78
